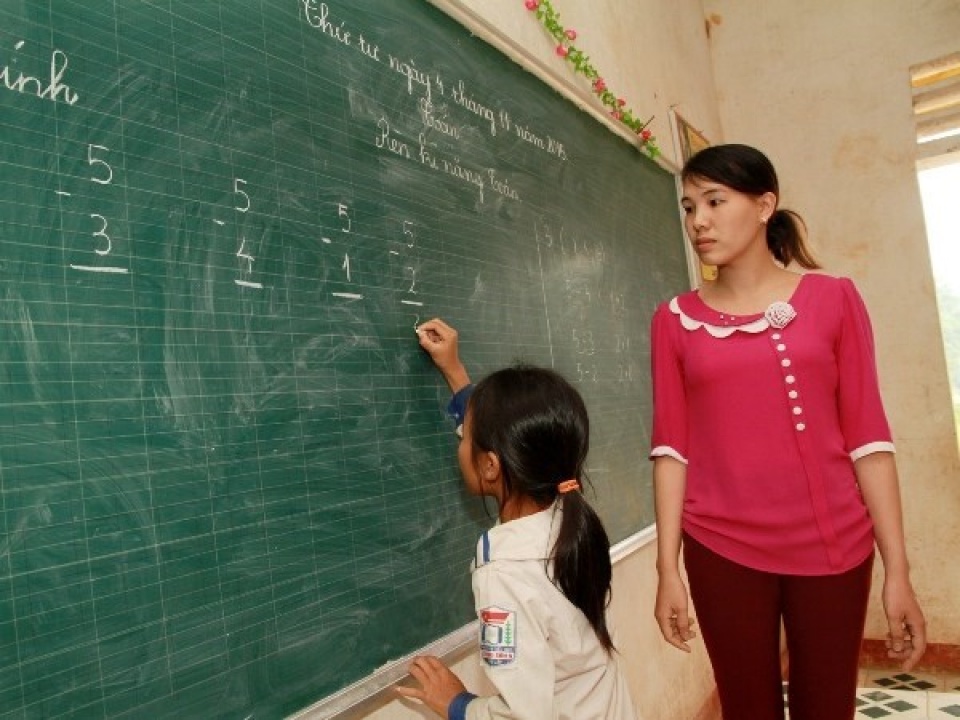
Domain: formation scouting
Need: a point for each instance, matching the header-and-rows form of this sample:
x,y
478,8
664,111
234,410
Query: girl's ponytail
x,y
581,562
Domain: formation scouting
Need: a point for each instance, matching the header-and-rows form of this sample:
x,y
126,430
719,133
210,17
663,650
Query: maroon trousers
x,y
739,612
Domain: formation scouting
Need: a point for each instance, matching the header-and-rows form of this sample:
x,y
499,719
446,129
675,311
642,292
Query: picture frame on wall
x,y
692,140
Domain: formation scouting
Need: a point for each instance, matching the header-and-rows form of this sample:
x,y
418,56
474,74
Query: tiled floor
x,y
907,696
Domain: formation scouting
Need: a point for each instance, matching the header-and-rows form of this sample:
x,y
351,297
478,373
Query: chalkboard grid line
x,y
151,508
86,552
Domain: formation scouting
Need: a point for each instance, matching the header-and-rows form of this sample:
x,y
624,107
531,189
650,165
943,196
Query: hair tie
x,y
568,485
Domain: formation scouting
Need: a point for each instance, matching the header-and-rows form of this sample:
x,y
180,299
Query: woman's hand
x,y
880,486
907,637
440,342
438,685
671,611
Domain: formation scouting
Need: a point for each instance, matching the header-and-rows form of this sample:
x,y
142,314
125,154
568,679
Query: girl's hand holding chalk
x,y
440,342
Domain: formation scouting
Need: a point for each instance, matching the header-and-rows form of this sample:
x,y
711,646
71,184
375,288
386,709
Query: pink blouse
x,y
769,413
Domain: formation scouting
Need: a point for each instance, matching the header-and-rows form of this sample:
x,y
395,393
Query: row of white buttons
x,y
790,380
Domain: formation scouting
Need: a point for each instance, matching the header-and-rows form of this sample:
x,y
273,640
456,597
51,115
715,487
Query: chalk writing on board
x,y
101,174
238,185
428,113
245,203
464,100
319,16
431,158
386,141
346,225
404,248
502,185
413,75
244,254
343,212
549,144
99,162
371,51
32,85
598,359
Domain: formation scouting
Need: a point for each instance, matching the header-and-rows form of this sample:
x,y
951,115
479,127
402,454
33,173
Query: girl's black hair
x,y
747,170
537,425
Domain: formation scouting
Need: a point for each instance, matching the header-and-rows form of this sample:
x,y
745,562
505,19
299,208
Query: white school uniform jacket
x,y
536,647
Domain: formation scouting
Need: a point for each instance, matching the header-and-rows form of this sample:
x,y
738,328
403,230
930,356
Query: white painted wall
x,y
823,87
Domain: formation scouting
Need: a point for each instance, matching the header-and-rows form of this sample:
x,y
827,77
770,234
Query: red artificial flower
x,y
621,102
572,34
562,51
532,4
646,134
599,85
616,114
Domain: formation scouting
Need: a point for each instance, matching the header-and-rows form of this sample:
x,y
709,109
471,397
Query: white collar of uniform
x,y
528,538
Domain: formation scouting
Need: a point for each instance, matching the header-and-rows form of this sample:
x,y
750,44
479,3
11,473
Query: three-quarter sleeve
x,y
863,421
669,433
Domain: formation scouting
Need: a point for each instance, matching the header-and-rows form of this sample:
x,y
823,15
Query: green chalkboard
x,y
227,483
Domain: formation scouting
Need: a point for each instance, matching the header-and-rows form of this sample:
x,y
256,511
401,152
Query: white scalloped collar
x,y
757,324
695,314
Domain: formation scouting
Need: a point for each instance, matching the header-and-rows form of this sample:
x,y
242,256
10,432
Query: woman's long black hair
x,y
747,170
537,425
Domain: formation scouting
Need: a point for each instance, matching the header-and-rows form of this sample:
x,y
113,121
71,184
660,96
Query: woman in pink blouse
x,y
773,460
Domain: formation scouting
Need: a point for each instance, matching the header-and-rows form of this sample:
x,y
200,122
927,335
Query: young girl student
x,y
773,460
541,576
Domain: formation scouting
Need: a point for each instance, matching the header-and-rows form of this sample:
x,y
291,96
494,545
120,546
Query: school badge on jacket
x,y
498,636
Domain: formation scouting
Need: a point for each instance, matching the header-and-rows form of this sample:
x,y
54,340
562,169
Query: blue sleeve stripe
x,y
457,406
458,706
486,548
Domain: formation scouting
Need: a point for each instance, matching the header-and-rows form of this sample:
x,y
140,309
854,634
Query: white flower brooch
x,y
779,314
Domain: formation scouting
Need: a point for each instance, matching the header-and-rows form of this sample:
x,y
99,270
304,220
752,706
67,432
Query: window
x,y
936,105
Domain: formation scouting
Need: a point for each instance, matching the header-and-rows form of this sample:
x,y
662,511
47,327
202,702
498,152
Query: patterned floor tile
x,y
897,680
951,683
894,704
943,706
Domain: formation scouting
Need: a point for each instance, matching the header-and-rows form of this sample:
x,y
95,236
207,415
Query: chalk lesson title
x,y
437,99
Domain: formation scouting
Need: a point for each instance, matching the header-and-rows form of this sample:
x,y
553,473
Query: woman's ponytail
x,y
786,239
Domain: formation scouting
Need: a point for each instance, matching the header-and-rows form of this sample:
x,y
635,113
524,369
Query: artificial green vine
x,y
565,49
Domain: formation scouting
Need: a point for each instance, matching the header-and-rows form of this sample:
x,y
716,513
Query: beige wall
x,y
823,87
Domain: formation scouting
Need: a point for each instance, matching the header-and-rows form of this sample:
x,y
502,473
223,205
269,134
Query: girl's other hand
x,y
438,685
